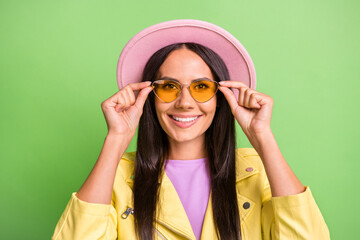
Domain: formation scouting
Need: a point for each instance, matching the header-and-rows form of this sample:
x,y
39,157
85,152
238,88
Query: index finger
x,y
139,85
233,84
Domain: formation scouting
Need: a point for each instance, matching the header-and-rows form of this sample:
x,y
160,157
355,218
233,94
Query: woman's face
x,y
184,119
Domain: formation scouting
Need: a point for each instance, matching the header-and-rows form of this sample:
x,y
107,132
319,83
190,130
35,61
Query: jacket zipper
x,y
127,212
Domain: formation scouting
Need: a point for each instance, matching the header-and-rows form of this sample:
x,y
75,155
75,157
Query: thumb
x,y
141,98
230,97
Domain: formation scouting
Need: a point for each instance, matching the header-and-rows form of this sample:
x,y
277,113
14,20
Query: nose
x,y
185,100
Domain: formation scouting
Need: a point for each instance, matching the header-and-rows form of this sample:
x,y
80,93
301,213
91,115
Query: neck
x,y
187,150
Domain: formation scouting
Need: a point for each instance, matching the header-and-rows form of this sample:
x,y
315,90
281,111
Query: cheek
x,y
211,107
158,111
210,110
160,108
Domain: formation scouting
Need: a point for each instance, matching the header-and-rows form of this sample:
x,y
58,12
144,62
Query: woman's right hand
x,y
123,110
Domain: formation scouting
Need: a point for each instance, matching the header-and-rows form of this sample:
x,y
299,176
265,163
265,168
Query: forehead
x,y
184,65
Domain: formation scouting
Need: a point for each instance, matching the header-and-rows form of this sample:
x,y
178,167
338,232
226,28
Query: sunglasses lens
x,y
203,90
166,90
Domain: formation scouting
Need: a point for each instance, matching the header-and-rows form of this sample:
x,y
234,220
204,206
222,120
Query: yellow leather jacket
x,y
262,216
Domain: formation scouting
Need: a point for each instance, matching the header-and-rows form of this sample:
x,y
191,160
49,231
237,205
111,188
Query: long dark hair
x,y
153,150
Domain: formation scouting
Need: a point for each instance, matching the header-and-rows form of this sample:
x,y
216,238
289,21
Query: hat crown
x,y
144,44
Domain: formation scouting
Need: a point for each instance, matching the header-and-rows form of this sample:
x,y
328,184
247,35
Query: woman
x,y
188,181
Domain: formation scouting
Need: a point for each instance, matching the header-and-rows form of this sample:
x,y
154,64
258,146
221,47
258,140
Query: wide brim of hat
x,y
143,45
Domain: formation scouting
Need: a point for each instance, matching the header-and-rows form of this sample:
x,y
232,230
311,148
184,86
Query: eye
x,y
170,86
200,86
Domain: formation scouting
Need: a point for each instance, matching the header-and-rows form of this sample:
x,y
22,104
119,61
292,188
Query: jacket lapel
x,y
171,213
208,229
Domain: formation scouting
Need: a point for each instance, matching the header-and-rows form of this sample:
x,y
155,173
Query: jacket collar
x,y
242,164
244,167
171,213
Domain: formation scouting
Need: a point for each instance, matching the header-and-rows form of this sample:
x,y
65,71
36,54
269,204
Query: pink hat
x,y
144,44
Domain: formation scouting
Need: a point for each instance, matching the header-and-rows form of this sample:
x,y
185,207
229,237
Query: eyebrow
x,y
174,79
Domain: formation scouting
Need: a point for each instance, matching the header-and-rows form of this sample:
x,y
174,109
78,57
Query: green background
x,y
58,63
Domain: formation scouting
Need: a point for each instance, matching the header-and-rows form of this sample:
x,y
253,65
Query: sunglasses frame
x,y
184,85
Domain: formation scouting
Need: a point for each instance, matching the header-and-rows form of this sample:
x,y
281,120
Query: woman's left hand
x,y
252,110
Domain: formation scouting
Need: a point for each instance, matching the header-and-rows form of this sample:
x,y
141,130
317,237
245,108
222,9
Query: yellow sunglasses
x,y
202,90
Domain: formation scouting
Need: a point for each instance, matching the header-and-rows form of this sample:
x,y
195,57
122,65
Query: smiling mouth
x,y
179,119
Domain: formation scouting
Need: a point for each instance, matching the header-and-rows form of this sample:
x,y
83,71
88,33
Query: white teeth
x,y
184,119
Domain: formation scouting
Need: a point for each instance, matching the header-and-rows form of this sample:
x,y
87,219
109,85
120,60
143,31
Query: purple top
x,y
191,179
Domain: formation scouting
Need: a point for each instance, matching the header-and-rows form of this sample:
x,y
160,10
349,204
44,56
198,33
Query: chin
x,y
186,138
